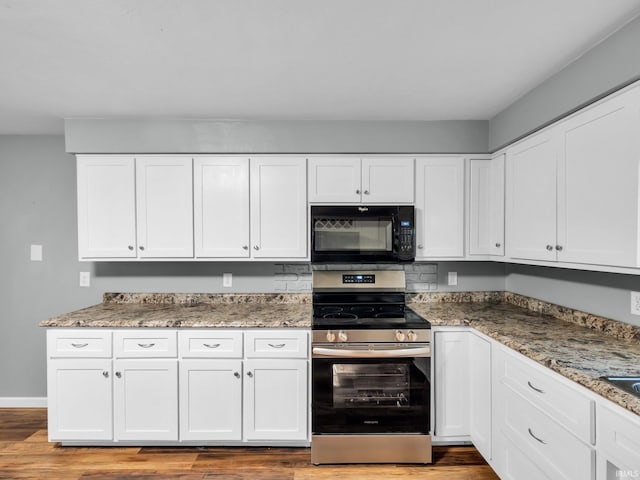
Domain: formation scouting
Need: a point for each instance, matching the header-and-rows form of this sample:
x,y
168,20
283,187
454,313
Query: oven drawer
x,y
145,343
211,343
79,343
277,344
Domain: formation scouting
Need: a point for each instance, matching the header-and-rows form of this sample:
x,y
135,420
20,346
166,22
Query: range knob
x,y
400,335
331,337
412,336
342,336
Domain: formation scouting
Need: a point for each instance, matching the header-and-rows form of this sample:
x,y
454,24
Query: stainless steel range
x,y
371,371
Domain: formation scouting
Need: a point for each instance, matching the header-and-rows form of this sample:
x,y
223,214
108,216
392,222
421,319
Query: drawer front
x,y
210,344
145,343
79,343
568,406
277,344
544,441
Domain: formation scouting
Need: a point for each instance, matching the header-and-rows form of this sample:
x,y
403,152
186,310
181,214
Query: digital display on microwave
x,y
405,223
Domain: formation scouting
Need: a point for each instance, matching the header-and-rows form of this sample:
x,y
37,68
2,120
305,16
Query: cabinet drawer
x,y
210,344
145,343
276,344
544,441
565,404
79,343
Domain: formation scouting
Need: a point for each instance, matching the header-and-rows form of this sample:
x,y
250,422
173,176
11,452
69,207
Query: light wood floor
x,y
25,453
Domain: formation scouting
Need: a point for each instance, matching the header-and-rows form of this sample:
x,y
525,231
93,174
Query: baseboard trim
x,y
23,402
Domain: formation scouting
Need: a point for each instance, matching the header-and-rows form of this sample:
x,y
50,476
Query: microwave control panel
x,y
406,239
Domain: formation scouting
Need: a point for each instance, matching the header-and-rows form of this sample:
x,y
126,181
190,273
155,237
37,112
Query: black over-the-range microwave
x,y
363,234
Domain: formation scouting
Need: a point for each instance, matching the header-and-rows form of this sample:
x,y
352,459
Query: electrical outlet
x,y
453,278
85,279
36,253
635,303
227,279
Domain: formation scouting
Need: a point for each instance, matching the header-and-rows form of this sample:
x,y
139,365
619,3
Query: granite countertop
x,y
191,311
578,346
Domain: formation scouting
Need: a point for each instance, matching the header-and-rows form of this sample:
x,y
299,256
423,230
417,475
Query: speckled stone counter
x,y
136,310
577,345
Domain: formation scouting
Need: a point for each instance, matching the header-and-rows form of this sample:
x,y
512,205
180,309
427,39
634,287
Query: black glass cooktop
x,y
337,317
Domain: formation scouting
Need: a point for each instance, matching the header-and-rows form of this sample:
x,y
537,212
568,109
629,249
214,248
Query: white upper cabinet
x,y
439,207
134,207
366,180
486,206
531,197
221,207
278,207
598,183
106,206
573,189
164,207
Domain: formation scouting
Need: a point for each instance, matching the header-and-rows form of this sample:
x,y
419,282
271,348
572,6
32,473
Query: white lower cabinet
x,y
480,393
145,399
275,400
618,454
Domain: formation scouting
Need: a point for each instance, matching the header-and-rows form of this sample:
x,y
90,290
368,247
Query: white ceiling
x,y
285,59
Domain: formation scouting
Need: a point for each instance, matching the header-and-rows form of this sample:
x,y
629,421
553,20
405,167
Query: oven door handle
x,y
397,353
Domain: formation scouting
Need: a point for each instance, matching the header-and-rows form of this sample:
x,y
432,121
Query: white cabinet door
x,y
221,207
106,206
275,400
480,393
334,179
79,399
486,206
452,397
598,183
145,399
387,180
164,207
440,207
210,399
618,453
279,207
531,198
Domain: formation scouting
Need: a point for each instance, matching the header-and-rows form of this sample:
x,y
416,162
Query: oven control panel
x,y
358,278
375,335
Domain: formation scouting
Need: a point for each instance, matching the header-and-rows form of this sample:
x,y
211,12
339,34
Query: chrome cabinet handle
x,y
79,345
130,247
249,374
118,374
141,247
358,192
559,248
105,374
277,345
534,388
245,247
549,247
211,345
538,439
256,247
236,374
146,345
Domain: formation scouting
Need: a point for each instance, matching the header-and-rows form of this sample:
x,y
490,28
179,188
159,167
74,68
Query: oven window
x,y
371,385
347,234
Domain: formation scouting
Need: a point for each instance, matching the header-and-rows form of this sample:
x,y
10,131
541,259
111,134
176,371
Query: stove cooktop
x,y
333,317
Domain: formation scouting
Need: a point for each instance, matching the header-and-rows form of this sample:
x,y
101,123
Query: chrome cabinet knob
x,y
559,248
141,247
358,192
420,247
342,336
366,192
130,247
256,247
118,374
236,374
249,374
498,245
400,336
245,247
331,337
105,374
549,247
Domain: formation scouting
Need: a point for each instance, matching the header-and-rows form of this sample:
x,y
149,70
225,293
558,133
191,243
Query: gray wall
x,y
609,65
220,136
605,294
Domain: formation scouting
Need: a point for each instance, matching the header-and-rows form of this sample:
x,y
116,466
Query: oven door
x,y
363,393
342,234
